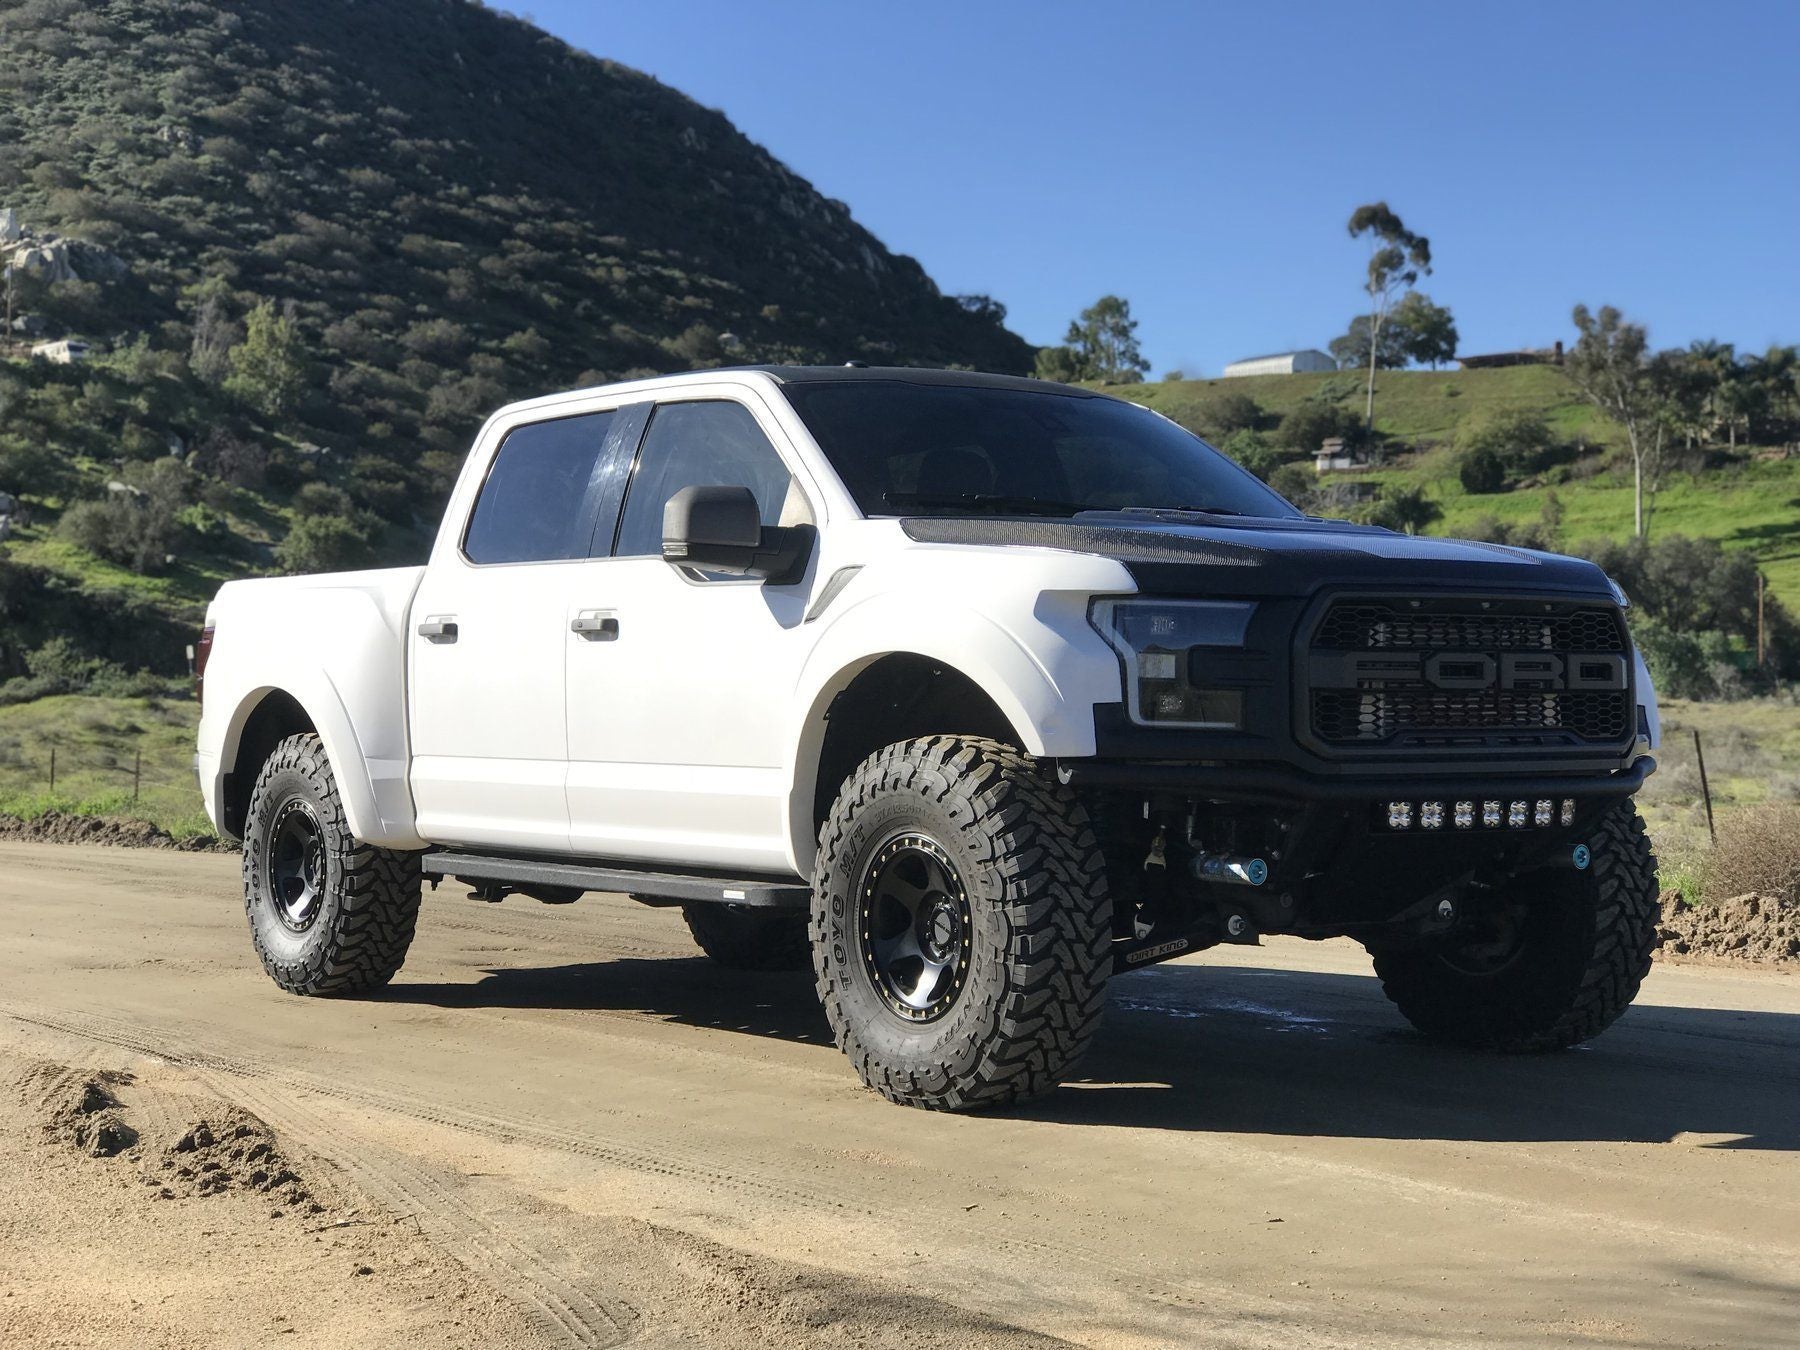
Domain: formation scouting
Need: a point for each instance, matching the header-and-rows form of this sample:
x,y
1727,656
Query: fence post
x,y
137,773
1705,789
53,771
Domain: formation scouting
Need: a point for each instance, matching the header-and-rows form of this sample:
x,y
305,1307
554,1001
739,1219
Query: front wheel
x,y
961,926
328,913
1548,962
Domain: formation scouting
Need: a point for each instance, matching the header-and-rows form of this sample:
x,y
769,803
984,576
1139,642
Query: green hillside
x,y
1410,405
315,242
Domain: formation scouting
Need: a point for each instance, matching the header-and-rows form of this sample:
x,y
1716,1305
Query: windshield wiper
x,y
1183,510
985,501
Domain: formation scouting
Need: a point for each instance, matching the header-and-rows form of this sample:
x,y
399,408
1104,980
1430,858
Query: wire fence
x,y
81,772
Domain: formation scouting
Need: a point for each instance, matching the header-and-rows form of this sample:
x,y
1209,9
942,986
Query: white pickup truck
x,y
970,691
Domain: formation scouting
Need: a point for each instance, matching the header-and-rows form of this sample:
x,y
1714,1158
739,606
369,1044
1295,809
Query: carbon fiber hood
x,y
1188,553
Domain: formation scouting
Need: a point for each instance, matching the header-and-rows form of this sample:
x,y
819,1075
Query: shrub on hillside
x,y
1688,664
223,454
1229,412
323,544
1295,482
321,499
138,524
1520,439
1695,586
1481,471
1407,510
1254,451
1310,425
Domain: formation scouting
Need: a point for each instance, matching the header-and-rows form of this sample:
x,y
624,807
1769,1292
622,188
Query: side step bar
x,y
652,887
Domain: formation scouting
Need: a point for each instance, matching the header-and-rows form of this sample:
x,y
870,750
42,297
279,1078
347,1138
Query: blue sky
x,y
1201,160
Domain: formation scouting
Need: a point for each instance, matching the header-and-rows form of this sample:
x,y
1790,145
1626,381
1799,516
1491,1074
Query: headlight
x,y
1154,640
1622,600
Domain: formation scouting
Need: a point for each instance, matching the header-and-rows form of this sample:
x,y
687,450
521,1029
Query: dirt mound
x,y
61,827
89,1118
232,1150
1743,928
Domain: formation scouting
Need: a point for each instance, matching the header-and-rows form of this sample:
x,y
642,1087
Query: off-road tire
x,y
743,937
368,900
1039,924
1588,937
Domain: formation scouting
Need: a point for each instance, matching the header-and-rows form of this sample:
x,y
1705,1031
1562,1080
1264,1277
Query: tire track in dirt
x,y
567,1313
570,1316
184,1044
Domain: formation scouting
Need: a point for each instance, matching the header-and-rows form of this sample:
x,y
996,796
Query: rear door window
x,y
542,492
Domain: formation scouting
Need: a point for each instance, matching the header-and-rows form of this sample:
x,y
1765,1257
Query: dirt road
x,y
589,1135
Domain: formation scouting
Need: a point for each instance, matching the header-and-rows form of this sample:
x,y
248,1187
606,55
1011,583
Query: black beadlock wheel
x,y
328,913
1549,962
961,926
743,937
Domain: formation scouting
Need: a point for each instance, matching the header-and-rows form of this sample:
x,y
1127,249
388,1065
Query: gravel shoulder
x,y
598,1137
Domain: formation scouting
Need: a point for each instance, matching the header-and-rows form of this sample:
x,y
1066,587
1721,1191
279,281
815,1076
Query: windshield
x,y
929,450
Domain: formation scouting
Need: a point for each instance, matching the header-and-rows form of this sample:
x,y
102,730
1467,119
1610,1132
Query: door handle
x,y
438,630
596,625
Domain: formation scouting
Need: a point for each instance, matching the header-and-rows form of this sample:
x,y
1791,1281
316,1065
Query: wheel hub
x,y
914,927
296,865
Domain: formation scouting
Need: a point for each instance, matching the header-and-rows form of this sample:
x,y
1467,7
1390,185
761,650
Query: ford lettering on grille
x,y
1502,672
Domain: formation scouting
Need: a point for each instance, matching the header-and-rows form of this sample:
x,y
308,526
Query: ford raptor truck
x,y
968,692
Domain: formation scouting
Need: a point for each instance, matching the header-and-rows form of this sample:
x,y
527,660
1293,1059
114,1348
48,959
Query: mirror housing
x,y
712,528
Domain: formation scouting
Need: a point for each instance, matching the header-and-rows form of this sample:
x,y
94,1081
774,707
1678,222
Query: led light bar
x,y
1541,812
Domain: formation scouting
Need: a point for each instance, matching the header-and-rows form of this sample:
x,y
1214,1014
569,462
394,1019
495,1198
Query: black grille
x,y
1364,626
1389,700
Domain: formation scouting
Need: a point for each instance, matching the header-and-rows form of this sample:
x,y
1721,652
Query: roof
x,y
1279,356
968,379
650,386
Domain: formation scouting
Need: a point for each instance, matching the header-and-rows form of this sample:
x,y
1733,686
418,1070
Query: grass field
x,y
97,742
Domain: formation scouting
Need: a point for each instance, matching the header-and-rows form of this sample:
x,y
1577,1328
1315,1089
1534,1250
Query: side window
x,y
537,502
716,443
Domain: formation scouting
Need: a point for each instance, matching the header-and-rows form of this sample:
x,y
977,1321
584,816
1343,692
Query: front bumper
x,y
1281,783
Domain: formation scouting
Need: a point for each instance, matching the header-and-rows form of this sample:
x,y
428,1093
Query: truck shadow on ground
x,y
1280,1052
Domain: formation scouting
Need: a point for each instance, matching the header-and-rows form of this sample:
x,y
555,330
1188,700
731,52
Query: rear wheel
x,y
746,938
961,926
328,913
1546,964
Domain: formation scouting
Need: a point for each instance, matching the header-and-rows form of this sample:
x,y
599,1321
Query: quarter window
x,y
704,443
538,502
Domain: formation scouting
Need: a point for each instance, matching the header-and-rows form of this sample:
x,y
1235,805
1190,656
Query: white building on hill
x,y
1282,363
65,352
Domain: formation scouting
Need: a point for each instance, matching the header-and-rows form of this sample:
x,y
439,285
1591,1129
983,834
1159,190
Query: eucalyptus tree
x,y
1611,367
1397,259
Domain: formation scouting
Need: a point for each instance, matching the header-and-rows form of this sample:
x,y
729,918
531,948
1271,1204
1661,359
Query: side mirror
x,y
720,529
